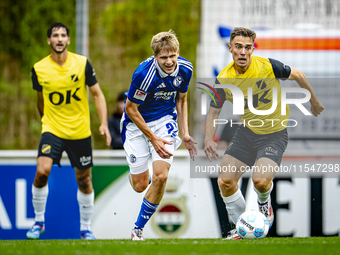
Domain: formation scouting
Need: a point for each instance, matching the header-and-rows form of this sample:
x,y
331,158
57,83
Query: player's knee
x,y
226,183
160,178
84,182
140,186
261,184
41,177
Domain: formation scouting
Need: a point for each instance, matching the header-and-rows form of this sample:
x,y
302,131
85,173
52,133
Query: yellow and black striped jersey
x,y
262,77
66,109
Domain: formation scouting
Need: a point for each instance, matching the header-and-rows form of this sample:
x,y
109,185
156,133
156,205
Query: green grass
x,y
275,246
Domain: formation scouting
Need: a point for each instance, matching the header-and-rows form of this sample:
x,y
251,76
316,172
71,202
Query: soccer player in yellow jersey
x,y
60,80
262,143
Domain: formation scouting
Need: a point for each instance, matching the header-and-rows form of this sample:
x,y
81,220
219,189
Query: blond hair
x,y
164,41
242,31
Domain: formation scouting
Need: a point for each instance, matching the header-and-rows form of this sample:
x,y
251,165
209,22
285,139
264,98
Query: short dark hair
x,y
56,25
242,31
121,97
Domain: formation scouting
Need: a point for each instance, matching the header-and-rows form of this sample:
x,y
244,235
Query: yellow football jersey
x,y
262,77
66,108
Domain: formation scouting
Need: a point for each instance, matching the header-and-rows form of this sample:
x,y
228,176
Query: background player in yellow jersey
x,y
262,145
60,80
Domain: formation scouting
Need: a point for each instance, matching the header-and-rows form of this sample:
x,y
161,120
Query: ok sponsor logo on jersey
x,y
57,98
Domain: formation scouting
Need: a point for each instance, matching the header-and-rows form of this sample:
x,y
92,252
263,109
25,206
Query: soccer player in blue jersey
x,y
262,145
156,98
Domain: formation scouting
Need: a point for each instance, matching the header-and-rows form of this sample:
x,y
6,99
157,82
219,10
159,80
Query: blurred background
x,y
116,36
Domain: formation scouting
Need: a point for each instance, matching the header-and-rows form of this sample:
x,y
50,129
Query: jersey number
x,y
172,129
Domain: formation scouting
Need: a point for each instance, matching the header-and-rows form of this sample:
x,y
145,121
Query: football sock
x,y
39,198
263,197
146,211
235,205
86,205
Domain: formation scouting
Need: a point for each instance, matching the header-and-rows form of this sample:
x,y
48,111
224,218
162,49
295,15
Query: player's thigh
x,y
80,153
231,168
137,152
265,168
44,165
141,178
160,170
51,147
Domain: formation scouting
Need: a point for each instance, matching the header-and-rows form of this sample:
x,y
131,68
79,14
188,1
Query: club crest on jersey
x,y
133,158
177,81
74,78
140,95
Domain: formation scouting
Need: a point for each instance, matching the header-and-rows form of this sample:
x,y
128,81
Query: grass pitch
x,y
276,246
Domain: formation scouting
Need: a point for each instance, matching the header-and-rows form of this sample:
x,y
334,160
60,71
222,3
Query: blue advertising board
x,y
16,211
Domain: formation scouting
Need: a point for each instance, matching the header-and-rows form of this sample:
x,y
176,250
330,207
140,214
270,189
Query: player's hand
x,y
190,144
159,145
210,149
104,130
316,108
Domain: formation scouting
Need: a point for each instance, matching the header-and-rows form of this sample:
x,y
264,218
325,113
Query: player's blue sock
x,y
145,213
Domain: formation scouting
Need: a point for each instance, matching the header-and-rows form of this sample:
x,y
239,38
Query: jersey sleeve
x,y
281,71
216,102
187,74
35,82
90,74
137,93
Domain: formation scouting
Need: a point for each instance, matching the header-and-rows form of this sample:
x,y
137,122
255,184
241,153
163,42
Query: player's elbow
x,y
296,74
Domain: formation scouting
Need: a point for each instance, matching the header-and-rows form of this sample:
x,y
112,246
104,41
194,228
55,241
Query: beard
x,y
58,51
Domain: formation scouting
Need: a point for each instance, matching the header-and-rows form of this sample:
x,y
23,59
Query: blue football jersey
x,y
155,91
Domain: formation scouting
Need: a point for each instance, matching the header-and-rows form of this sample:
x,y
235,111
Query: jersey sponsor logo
x,y
46,148
177,81
58,98
85,160
133,158
140,95
74,78
261,84
164,95
162,85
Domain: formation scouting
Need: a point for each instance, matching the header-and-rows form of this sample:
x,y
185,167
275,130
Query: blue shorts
x,y
247,146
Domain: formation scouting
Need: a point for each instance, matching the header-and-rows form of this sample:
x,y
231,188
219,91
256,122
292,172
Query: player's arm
x,y
300,78
132,111
182,112
100,103
38,88
209,145
40,103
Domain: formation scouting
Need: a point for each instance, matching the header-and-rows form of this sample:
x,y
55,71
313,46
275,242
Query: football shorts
x,y
139,149
79,151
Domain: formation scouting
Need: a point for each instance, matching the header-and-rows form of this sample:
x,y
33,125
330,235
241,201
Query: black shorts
x,y
247,146
79,151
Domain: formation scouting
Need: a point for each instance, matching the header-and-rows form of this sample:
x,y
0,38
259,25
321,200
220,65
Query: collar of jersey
x,y
164,74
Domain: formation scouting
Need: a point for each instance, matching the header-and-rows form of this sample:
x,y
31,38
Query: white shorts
x,y
138,148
